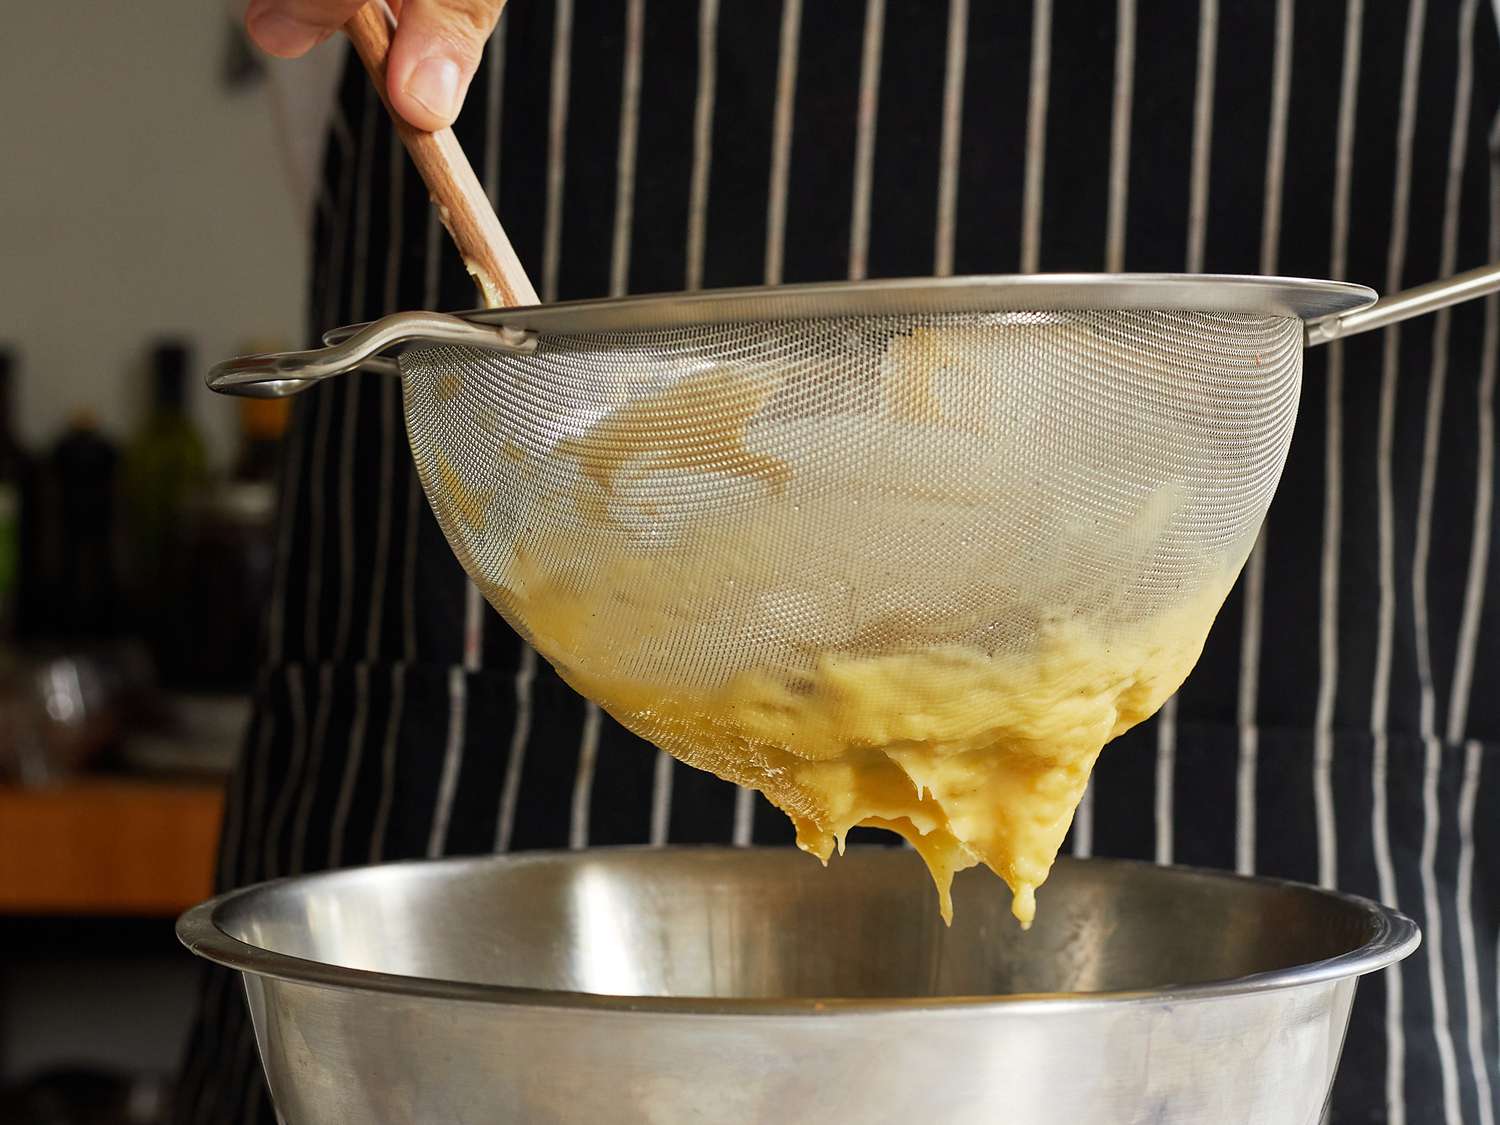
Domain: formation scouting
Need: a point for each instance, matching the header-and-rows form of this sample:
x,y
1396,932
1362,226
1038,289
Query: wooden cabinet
x,y
108,846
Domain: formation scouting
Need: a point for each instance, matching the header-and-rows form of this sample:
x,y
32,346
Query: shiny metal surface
x,y
279,374
1416,301
356,346
1303,298
719,985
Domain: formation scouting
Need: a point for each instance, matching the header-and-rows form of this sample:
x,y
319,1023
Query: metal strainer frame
x,y
1329,309
1077,489
750,492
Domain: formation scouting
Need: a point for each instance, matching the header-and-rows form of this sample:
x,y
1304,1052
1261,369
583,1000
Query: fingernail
x,y
435,83
281,34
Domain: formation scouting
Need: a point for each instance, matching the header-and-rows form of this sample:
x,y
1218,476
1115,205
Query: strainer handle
x,y
278,374
1417,301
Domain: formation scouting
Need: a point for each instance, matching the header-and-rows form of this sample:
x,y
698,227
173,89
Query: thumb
x,y
437,48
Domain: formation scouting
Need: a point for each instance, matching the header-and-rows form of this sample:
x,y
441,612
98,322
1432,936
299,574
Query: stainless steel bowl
x,y
717,985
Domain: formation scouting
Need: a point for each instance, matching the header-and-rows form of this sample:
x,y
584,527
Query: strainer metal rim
x,y
1391,936
1307,299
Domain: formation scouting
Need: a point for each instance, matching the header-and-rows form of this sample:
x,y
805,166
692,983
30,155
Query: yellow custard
x,y
973,757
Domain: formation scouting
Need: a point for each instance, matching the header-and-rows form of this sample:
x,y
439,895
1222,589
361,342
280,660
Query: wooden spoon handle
x,y
462,205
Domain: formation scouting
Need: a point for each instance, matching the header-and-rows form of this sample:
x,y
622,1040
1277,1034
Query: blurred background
x,y
152,221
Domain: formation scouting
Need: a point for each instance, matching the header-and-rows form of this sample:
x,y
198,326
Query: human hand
x,y
434,52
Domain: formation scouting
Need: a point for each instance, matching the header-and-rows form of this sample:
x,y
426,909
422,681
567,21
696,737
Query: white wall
x,y
138,196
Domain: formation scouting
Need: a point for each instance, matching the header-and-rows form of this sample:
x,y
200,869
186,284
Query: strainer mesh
x,y
751,495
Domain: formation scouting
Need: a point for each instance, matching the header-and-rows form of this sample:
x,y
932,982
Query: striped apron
x,y
1343,726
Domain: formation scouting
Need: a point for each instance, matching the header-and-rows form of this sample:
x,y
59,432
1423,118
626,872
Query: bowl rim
x,y
1393,936
1302,298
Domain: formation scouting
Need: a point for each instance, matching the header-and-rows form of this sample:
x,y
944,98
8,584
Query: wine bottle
x,y
81,570
165,472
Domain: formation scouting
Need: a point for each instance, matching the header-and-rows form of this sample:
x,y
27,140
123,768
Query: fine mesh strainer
x,y
668,491
749,478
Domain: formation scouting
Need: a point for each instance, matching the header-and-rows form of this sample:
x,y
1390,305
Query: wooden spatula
x,y
462,205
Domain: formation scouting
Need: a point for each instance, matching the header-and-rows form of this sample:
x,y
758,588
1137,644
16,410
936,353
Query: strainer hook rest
x,y
279,374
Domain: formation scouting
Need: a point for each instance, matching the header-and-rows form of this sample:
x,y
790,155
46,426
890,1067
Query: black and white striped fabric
x,y
1343,726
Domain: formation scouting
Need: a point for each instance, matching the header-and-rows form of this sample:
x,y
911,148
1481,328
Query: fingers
x,y
291,28
437,48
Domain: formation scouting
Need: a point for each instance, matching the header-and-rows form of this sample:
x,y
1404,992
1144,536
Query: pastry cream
x,y
973,757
